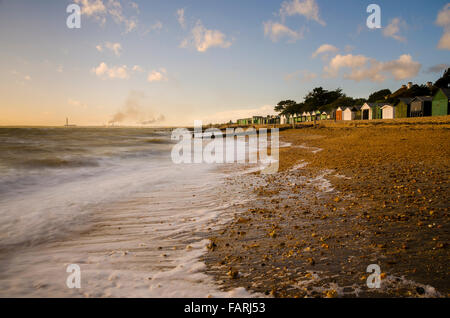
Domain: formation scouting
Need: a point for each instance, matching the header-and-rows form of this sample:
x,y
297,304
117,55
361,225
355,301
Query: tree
x,y
343,101
285,105
444,81
379,95
319,98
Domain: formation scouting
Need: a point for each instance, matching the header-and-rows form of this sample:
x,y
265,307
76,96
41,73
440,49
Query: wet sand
x,y
347,195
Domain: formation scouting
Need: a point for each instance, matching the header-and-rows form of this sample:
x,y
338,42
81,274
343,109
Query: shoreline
x,y
297,239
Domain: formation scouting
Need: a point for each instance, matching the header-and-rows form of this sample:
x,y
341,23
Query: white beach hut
x,y
388,111
367,111
308,116
349,114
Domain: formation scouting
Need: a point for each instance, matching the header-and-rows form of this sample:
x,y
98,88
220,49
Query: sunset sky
x,y
171,62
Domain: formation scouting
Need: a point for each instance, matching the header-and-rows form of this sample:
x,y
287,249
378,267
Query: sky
x,y
165,63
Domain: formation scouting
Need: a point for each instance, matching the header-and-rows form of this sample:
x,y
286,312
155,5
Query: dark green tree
x,y
379,95
285,105
319,98
444,81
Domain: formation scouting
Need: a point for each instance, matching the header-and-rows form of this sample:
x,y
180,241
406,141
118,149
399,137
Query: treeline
x,y
324,100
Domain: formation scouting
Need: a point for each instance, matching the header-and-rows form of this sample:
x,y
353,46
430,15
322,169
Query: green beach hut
x,y
441,102
402,109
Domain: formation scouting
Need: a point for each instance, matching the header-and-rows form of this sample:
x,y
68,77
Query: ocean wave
x,y
59,163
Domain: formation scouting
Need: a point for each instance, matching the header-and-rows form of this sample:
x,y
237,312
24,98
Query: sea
x,y
110,202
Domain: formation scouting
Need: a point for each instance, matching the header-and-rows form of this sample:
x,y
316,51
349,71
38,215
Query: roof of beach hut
x,y
371,105
423,98
446,92
406,100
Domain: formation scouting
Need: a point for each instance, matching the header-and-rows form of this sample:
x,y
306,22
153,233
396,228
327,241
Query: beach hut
x,y
367,111
403,107
349,113
258,120
339,113
441,103
421,106
376,112
244,121
323,116
307,116
317,114
387,111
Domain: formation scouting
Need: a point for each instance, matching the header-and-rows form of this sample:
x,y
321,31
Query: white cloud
x,y
393,29
203,39
158,76
325,48
180,18
275,31
27,78
115,72
100,9
365,68
91,7
306,8
114,47
443,20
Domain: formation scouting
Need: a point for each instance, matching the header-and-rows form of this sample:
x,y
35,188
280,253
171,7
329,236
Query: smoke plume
x,y
133,111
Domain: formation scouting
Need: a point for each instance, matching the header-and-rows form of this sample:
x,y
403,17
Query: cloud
x,y
133,111
60,69
27,78
443,20
157,26
158,76
325,48
438,68
114,47
137,68
393,29
180,18
91,7
306,8
303,75
365,68
275,31
203,39
101,9
115,72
